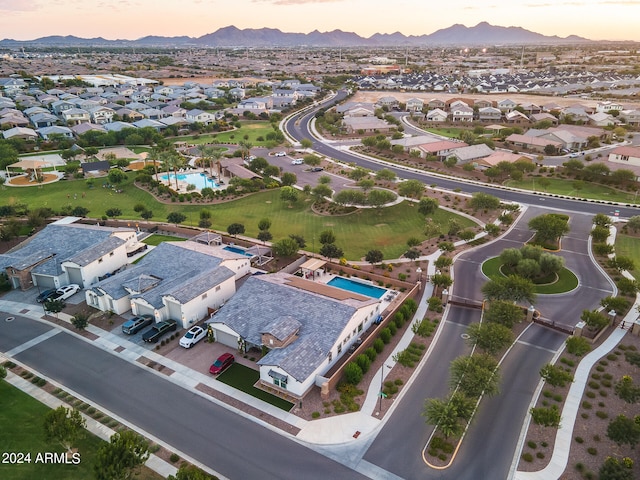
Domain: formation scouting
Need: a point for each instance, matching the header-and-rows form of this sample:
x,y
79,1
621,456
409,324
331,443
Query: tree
x,y
378,198
264,235
312,160
619,304
287,247
555,376
235,229
484,201
633,223
8,155
441,280
602,220
489,336
626,390
547,417
624,430
116,176
353,373
443,262
600,234
448,413
475,374
321,191
511,288
350,197
264,224
147,214
385,175
614,469
411,188
366,184
54,306
358,173
510,257
412,254
80,320
289,195
122,457
306,143
299,239
289,179
594,319
550,263
330,250
64,425
466,235
176,217
620,263
113,212
374,256
504,313
549,227
427,205
327,236
528,268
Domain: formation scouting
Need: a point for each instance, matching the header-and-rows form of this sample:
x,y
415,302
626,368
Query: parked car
x,y
193,336
223,362
297,161
46,295
136,324
280,154
158,330
317,169
65,292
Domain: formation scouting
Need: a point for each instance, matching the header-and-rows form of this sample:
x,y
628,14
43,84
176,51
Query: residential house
x,y
516,118
117,126
482,103
601,119
389,102
305,326
237,93
544,117
200,116
408,143
608,107
74,116
436,103
60,106
461,112
356,109
437,115
629,155
40,120
128,115
256,103
500,156
489,114
414,105
153,113
630,116
366,125
20,132
54,131
174,111
183,281
67,252
440,149
10,121
86,127
507,105
471,153
102,115
533,142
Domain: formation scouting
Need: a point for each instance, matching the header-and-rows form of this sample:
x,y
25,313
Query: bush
x,y
363,362
547,417
371,353
315,415
378,345
592,451
435,304
579,439
532,444
3,372
385,335
392,328
527,457
353,373
578,346
174,458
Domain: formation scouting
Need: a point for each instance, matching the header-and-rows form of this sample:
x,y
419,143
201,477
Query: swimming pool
x,y
200,180
357,287
241,251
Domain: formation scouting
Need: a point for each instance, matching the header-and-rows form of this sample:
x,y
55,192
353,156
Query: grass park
x,y
252,130
561,186
629,246
21,424
386,229
566,280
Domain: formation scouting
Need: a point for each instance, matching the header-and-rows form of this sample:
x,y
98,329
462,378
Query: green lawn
x,y
387,229
21,418
566,282
243,378
253,129
156,239
629,247
447,132
565,187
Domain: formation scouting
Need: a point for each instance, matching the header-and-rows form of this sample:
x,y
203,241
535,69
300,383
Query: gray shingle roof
x,y
265,300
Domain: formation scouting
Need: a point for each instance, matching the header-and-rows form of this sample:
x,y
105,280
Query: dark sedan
x,y
46,295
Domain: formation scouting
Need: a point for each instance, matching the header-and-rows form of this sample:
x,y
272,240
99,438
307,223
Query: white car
x,y
193,336
297,161
280,154
65,292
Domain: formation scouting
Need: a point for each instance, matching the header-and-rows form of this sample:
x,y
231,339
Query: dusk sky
x,y
132,19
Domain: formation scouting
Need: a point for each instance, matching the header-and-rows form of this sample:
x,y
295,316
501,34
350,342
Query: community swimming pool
x,y
200,180
239,250
357,287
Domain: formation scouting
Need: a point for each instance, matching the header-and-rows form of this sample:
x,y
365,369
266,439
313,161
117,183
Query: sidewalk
x,y
560,458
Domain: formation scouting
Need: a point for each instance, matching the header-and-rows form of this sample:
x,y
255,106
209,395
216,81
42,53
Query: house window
x,y
111,254
100,260
280,382
354,331
360,326
218,288
339,348
204,295
330,355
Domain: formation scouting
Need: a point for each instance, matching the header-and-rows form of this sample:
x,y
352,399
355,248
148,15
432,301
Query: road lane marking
x,y
535,346
33,342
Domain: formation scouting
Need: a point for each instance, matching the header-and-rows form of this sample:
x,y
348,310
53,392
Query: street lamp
x,y
419,273
382,394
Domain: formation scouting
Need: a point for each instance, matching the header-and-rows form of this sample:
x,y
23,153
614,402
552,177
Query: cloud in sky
x,y
295,2
18,5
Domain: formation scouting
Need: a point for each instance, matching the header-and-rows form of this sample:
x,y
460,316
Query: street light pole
x,y
381,388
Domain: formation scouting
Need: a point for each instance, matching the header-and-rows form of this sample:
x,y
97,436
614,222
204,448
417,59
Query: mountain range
x,y
481,34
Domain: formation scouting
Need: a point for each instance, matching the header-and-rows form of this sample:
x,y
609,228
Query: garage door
x,y
45,282
226,339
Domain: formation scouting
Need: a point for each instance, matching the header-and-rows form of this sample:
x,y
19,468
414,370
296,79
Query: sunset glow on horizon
x,y
133,19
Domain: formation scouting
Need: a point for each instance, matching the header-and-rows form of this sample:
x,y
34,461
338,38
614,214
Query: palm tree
x,y
245,146
154,157
172,161
210,155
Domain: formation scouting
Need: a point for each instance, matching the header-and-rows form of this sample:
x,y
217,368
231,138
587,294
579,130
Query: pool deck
x,y
182,184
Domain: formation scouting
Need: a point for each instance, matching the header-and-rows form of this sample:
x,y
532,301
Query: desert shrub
x,y
363,362
174,458
385,335
353,373
315,415
378,345
527,457
578,346
532,444
371,353
579,439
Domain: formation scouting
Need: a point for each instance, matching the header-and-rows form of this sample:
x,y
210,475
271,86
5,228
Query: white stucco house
x,y
65,252
305,325
629,155
178,280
